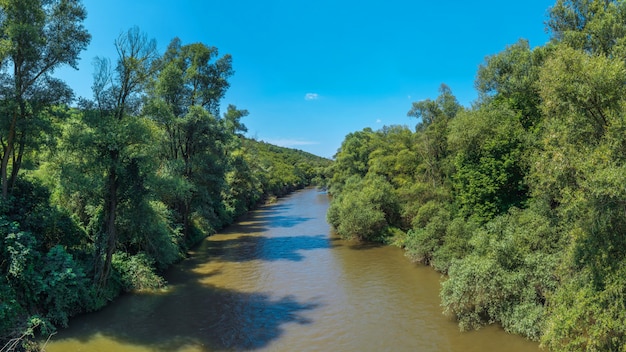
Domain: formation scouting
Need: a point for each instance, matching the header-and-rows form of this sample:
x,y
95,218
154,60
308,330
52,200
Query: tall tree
x,y
117,96
184,99
36,37
510,78
595,26
352,158
433,116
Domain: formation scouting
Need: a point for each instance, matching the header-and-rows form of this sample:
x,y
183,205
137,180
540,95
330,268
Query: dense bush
x,y
508,275
364,209
136,272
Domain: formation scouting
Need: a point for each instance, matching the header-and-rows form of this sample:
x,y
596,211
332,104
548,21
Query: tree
x,y
365,208
433,127
508,275
577,173
594,26
184,99
584,87
352,158
510,78
489,148
36,37
117,101
430,111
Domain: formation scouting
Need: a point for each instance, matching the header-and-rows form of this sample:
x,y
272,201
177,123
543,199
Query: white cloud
x,y
289,143
311,96
379,121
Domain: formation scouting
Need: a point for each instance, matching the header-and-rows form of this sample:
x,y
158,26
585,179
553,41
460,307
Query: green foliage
x,y
428,233
281,170
594,26
489,161
66,288
509,79
440,239
136,272
393,155
432,135
40,289
29,207
37,38
584,90
359,219
507,276
352,158
587,319
11,312
364,209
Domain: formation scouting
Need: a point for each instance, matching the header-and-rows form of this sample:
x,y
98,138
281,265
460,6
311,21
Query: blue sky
x,y
310,72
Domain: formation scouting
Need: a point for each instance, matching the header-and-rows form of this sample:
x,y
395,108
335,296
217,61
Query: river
x,y
279,280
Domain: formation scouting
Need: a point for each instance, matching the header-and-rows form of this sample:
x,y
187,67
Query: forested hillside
x,y
98,196
519,199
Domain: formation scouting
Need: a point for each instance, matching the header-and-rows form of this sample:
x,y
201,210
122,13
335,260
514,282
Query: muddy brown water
x,y
279,280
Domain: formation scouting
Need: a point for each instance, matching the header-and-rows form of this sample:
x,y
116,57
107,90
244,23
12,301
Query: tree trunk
x,y
110,212
8,151
186,220
17,163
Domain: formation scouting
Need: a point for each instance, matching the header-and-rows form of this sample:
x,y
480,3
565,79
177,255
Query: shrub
x,y
136,272
365,209
508,276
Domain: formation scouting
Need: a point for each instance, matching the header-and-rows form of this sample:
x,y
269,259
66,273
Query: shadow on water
x,y
251,244
249,247
194,314
283,221
336,241
196,311
362,246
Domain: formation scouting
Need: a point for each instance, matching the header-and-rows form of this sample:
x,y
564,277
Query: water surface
x,y
280,281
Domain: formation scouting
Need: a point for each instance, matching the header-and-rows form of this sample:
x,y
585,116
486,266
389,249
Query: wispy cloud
x,y
311,96
379,121
289,143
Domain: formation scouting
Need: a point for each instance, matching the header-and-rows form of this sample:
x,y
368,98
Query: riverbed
x,y
280,280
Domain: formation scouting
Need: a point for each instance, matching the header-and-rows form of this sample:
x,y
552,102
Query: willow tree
x,y
117,135
36,37
580,172
594,26
434,116
184,99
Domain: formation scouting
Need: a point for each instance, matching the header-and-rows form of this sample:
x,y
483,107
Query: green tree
x,y
116,132
588,88
352,158
508,276
594,26
365,209
36,37
489,158
243,190
184,99
510,78
394,155
434,117
577,172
